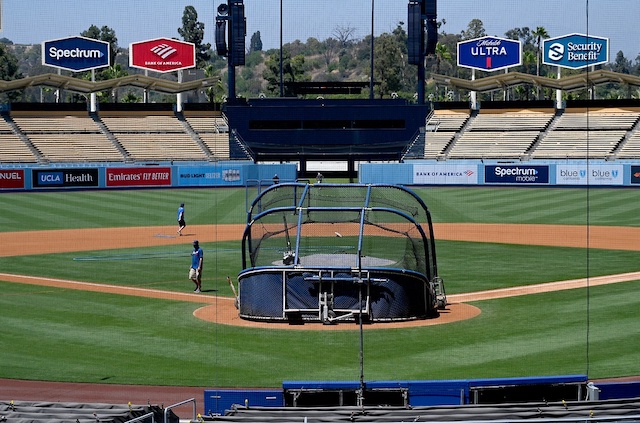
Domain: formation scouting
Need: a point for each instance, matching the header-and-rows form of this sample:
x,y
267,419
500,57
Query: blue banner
x,y
517,174
76,53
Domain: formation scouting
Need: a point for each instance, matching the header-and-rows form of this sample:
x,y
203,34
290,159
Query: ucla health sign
x,y
65,178
75,53
489,53
575,51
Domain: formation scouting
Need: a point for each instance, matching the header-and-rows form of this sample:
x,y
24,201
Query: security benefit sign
x,y
489,53
65,178
516,174
575,51
75,53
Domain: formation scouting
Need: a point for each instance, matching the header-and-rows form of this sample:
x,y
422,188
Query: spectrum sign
x,y
75,54
489,53
575,51
162,55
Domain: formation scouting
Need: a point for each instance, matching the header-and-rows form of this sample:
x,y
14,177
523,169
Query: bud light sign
x,y
75,53
516,174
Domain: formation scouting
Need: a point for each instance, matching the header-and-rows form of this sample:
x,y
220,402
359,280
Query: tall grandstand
x,y
583,130
125,136
604,130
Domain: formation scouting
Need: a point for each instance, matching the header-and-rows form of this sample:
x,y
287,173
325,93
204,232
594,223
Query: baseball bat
x,y
235,294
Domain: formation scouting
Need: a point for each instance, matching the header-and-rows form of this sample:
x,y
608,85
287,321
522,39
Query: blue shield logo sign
x,y
575,51
489,53
75,53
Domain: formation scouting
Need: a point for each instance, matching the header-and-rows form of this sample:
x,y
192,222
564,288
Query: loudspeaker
x,y
430,8
221,37
432,36
238,34
415,36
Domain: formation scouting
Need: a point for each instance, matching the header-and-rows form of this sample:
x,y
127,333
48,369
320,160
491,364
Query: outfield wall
x,y
158,175
565,173
241,173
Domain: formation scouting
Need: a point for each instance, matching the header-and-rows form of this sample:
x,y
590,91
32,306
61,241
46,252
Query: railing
x,y
166,410
143,417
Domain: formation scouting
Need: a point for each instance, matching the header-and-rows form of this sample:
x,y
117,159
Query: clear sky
x,y
34,21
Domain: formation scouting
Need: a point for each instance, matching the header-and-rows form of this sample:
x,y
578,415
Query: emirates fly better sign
x,y
489,53
162,55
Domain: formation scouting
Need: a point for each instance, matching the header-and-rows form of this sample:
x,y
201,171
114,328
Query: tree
x,y
256,42
114,72
442,54
388,70
475,29
217,91
621,64
104,34
9,70
344,34
192,31
292,71
540,33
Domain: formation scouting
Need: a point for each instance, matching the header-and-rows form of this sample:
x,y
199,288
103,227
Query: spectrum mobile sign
x,y
516,174
75,54
162,55
489,53
575,51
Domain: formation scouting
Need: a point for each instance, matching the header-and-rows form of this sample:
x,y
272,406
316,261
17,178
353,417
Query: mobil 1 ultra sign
x,y
575,51
489,53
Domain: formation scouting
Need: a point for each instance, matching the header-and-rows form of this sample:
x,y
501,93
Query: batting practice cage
x,y
331,253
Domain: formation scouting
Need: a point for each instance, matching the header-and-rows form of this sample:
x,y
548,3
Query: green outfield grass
x,y
58,334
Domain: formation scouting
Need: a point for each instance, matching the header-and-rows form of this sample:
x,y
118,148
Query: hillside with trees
x,y
339,58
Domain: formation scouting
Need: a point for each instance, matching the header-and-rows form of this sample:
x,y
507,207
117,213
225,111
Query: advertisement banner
x,y
489,53
575,51
11,179
65,178
592,174
162,55
132,177
635,175
75,53
210,175
454,174
516,174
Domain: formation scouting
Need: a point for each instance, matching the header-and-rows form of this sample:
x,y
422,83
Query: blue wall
x,y
167,175
566,173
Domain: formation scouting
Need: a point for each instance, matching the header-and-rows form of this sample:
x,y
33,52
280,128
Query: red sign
x,y
162,55
131,177
12,179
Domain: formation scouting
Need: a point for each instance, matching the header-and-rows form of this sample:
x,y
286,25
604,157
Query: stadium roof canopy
x,y
489,83
87,87
511,79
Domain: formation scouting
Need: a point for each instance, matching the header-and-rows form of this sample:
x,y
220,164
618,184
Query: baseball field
x,y
94,288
